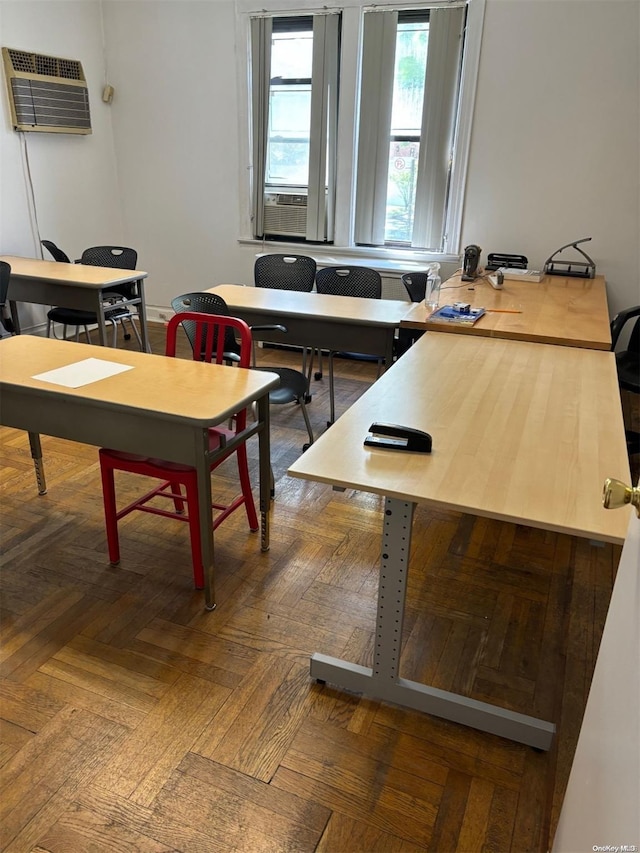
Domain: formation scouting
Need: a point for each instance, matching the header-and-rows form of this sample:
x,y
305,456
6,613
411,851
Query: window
x,y
289,120
382,140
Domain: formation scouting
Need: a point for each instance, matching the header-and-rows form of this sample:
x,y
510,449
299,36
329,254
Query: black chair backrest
x,y
416,285
56,253
618,323
627,360
5,272
5,275
119,257
350,281
285,272
206,303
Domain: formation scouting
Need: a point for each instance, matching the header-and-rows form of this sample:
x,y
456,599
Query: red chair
x,y
216,342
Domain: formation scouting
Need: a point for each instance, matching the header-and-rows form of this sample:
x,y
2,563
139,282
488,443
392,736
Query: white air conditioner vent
x,y
46,93
285,214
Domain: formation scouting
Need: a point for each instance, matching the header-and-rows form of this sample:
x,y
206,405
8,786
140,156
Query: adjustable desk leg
x,y
384,681
203,471
36,455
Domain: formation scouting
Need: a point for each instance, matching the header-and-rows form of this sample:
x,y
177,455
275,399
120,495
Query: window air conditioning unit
x,y
46,93
285,214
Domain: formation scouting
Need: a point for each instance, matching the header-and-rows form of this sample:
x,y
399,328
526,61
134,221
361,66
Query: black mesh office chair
x,y
293,383
118,301
415,284
628,362
362,282
56,253
5,275
287,272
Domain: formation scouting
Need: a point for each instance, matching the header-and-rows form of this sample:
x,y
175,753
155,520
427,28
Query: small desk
x,y
79,286
317,319
162,408
562,311
524,433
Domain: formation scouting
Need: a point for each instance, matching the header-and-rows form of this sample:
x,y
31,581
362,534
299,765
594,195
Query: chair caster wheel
x,y
317,375
329,423
307,398
306,446
127,337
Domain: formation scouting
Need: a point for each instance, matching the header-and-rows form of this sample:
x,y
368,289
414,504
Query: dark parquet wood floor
x,y
133,720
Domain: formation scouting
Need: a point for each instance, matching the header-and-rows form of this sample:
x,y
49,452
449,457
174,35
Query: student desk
x,y
318,320
558,310
524,433
162,407
80,286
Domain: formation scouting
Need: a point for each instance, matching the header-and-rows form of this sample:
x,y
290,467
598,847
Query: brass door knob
x,y
616,494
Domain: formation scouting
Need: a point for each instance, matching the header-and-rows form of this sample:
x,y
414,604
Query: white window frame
x,y
343,245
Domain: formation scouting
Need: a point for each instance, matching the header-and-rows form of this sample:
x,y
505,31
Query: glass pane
x,y
401,190
406,125
289,109
291,55
288,139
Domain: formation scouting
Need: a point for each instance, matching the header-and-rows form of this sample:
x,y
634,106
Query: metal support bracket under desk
x,y
384,681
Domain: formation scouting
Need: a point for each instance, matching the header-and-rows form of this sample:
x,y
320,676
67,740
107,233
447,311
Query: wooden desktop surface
x,y
522,432
170,388
558,310
336,309
80,275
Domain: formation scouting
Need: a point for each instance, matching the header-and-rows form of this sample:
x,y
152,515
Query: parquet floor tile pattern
x,y
132,720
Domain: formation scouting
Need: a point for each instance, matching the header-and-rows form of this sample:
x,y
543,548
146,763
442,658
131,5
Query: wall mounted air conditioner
x,y
46,93
285,214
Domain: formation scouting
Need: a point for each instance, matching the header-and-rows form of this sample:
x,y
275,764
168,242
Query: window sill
x,y
389,261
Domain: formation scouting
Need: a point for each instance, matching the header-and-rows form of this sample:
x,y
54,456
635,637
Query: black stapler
x,y
395,437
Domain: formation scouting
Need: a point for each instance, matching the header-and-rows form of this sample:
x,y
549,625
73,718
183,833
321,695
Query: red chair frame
x,y
211,331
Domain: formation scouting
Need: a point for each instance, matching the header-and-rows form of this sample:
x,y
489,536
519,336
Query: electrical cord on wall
x,y
31,196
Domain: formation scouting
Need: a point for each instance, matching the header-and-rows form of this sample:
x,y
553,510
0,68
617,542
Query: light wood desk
x,y
318,320
79,286
558,310
163,407
522,432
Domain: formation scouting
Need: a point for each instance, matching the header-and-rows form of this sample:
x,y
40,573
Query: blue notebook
x,y
451,314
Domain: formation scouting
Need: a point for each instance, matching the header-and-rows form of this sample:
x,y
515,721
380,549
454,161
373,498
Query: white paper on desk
x,y
82,372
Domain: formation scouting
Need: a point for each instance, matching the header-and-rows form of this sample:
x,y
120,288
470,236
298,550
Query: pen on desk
x,y
503,311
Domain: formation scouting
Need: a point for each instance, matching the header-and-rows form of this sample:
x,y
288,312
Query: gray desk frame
x,y
83,296
54,411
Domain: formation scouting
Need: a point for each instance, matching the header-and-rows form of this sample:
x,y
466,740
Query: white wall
x,y
75,188
554,154
555,151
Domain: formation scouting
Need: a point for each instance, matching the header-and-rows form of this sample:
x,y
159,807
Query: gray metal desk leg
x,y
142,313
102,326
388,358
203,471
264,450
383,680
15,319
36,455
